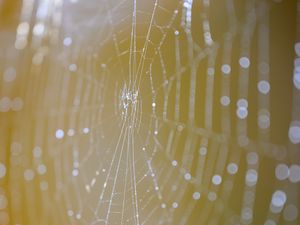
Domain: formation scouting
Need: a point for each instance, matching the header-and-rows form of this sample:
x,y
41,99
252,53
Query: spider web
x,y
152,114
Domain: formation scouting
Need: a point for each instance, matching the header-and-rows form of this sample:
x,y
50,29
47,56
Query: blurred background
x,y
149,112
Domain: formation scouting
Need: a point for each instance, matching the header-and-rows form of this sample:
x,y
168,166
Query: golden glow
x,y
149,112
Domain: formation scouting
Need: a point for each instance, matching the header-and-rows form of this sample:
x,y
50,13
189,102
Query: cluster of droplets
x,y
128,101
